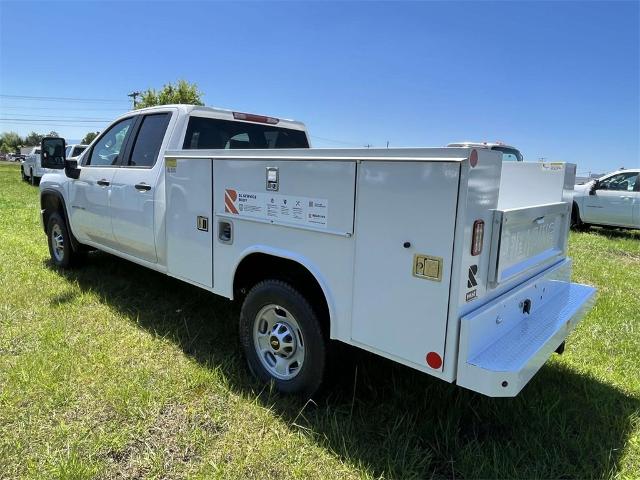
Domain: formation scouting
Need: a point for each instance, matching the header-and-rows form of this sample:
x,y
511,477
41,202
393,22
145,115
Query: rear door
x,y
135,188
612,202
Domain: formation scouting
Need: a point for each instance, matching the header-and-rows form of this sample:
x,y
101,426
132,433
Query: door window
x,y
107,151
148,140
623,182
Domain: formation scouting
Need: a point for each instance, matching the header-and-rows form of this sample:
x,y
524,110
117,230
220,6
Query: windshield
x,y
509,154
224,134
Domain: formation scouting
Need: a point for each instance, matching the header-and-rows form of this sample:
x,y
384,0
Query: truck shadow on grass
x,y
385,418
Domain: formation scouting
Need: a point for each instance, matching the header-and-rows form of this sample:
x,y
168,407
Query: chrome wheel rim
x,y
278,341
57,242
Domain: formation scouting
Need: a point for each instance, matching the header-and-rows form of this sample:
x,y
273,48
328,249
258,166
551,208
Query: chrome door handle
x,y
143,187
103,182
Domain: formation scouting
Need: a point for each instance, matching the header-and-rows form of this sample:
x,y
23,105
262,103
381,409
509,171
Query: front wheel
x,y
33,178
62,253
282,338
24,177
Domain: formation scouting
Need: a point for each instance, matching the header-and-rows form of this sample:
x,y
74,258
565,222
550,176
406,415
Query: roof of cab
x,y
488,145
215,112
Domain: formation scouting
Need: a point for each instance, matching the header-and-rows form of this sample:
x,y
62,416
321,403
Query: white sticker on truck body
x,y
275,207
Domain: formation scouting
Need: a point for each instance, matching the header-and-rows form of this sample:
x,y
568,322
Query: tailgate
x,y
526,240
503,344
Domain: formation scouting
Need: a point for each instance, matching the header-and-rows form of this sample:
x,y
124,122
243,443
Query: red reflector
x,y
473,158
434,360
250,117
478,237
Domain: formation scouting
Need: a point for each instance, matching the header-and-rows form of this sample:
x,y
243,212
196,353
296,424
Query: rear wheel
x,y
60,248
32,178
24,177
282,338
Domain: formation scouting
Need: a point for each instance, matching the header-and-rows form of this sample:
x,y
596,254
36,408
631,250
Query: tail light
x,y
478,237
250,117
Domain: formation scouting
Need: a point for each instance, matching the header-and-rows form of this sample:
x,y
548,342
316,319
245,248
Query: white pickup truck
x,y
437,258
612,200
31,169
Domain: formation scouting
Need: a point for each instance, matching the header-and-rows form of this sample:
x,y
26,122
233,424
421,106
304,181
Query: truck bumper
x,y
502,346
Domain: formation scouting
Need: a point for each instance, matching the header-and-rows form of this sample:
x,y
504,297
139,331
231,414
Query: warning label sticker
x,y
552,166
278,208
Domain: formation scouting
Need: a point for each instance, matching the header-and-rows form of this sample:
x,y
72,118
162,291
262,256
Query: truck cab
x,y
612,200
509,153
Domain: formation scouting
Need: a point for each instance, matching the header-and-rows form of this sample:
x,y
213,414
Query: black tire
x,y
32,178
68,257
576,221
310,375
24,177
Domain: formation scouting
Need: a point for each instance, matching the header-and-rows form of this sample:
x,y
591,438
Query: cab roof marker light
x,y
250,117
478,237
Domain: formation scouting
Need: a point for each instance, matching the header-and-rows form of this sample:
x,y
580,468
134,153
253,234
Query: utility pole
x,y
387,143
134,95
368,145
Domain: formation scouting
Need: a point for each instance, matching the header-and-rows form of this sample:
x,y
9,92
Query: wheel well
x,y
260,266
50,203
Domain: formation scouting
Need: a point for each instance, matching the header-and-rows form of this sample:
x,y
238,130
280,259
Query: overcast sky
x,y
559,80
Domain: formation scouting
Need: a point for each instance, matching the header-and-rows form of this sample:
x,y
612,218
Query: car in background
x,y
74,150
509,153
612,200
31,170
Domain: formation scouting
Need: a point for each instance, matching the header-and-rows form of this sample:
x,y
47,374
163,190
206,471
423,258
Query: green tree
x,y
33,139
53,133
180,92
12,140
88,138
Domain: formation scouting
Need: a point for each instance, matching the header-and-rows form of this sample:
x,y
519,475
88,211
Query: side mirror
x,y
594,187
52,152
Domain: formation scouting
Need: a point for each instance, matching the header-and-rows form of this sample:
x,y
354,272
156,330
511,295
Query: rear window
x,y
224,134
509,154
77,151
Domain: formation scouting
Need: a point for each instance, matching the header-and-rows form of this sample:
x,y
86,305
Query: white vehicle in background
x,y
75,150
447,260
31,169
509,153
612,200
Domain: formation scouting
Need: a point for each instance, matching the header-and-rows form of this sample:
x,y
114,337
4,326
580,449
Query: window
x,y
107,150
225,134
77,151
624,182
509,154
149,139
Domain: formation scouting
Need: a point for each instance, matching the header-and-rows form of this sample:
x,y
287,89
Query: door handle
x,y
103,182
143,187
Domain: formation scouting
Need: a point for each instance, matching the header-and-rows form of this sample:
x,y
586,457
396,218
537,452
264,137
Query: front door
x,y
612,201
90,193
134,189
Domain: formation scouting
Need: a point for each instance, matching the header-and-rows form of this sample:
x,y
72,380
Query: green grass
x,y
114,371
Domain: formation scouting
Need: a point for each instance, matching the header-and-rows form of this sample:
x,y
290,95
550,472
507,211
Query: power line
x,y
58,117
58,109
64,99
335,141
47,122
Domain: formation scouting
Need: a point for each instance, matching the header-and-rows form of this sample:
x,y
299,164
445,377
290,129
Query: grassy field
x,y
114,371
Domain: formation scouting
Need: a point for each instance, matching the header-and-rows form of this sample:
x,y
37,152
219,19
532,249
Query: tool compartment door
x,y
405,225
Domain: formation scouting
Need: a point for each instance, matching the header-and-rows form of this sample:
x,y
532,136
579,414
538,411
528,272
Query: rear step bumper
x,y
501,348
